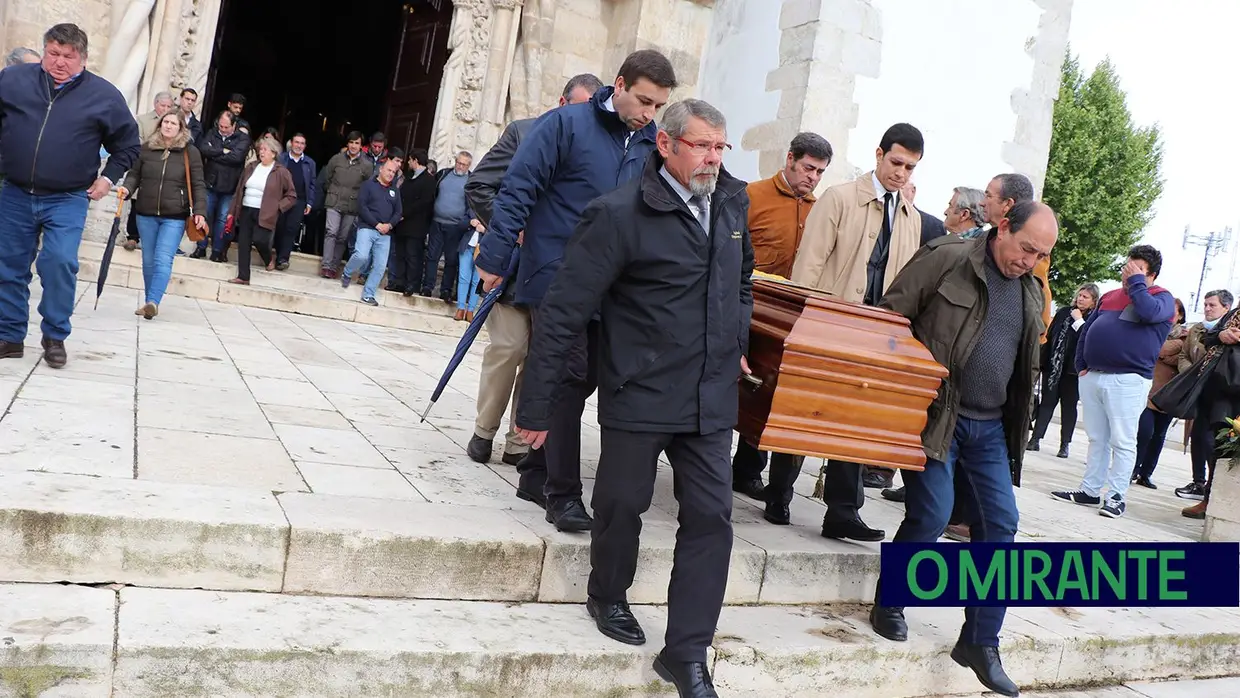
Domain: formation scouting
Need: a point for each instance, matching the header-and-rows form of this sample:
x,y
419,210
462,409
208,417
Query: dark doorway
x,y
325,69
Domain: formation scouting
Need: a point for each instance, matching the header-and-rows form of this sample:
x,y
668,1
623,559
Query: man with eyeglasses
x,y
572,156
857,238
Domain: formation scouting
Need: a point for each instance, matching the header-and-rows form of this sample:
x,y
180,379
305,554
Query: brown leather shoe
x,y
12,350
460,315
1196,511
54,353
957,532
469,316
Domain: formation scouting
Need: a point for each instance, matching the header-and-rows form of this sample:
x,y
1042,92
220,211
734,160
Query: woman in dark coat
x,y
1059,379
1221,397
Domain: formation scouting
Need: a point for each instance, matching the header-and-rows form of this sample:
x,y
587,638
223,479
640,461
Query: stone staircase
x,y
299,289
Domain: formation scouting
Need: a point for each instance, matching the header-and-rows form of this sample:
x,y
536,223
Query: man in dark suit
x,y
666,261
508,325
417,200
931,226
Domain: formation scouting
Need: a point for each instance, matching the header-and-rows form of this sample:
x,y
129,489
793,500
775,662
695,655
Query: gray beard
x,y
701,187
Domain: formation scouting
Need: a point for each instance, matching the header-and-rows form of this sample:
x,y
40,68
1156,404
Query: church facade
x,y
844,68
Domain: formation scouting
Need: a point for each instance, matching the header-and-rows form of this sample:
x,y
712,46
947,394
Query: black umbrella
x,y
106,261
471,332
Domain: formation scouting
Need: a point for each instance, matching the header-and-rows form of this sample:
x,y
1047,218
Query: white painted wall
x,y
743,48
949,68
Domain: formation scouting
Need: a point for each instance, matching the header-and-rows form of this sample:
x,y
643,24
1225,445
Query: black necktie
x,y
876,271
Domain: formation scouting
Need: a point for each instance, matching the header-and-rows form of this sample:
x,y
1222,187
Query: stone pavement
x,y
246,503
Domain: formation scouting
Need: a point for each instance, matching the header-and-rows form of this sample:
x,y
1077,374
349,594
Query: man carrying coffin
x,y
666,260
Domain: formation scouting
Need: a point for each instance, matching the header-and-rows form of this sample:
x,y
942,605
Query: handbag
x,y
193,232
1179,397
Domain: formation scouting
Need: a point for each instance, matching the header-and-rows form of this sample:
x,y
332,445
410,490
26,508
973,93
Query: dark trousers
x,y
1067,394
1151,435
979,455
289,227
748,462
1202,449
131,225
442,241
563,445
843,490
249,233
623,490
407,261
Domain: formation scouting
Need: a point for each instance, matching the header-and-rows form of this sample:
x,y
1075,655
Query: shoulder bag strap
x,y
189,182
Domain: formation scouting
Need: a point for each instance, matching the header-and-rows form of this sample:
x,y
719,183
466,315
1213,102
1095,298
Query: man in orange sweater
x,y
778,207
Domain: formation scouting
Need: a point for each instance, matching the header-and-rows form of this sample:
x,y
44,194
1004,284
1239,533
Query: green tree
x,y
1102,178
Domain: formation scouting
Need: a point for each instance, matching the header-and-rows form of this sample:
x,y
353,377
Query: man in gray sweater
x,y
448,224
975,304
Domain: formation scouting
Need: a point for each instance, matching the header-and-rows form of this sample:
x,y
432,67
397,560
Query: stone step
x,y
76,528
71,528
139,643
297,290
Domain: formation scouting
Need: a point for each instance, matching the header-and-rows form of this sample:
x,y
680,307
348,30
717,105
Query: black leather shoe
x,y
1063,451
54,354
198,253
754,489
1146,482
12,350
616,621
852,530
985,663
691,679
877,479
778,514
889,622
479,449
1034,445
535,497
569,517
512,458
893,494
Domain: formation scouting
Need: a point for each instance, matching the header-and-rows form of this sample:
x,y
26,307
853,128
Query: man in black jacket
x,y
666,259
223,152
54,118
508,325
417,198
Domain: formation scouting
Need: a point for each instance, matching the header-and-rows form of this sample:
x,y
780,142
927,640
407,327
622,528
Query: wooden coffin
x,y
835,379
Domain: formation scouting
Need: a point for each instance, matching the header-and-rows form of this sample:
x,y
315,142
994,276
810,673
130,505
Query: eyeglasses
x,y
704,148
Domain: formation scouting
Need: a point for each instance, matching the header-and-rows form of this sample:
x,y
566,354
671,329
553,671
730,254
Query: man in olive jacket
x,y
977,307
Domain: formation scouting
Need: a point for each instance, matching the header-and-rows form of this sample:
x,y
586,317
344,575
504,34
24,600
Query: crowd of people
x,y
636,252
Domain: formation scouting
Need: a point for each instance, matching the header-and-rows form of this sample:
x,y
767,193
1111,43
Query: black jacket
x,y
50,138
223,170
484,181
417,200
1062,322
675,307
931,227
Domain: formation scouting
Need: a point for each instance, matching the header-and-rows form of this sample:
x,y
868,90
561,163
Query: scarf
x,y
1213,352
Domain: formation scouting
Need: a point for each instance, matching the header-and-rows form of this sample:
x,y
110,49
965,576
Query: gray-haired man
x,y
964,215
666,261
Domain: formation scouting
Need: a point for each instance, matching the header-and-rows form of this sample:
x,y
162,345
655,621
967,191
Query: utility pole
x,y
1214,243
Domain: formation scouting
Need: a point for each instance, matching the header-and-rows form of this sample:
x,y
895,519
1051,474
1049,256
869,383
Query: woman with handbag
x,y
1152,430
164,184
264,191
1059,378
1220,396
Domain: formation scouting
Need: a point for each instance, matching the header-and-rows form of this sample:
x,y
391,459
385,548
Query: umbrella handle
x,y
120,203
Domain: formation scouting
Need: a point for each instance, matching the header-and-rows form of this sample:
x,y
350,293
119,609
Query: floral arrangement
x,y
1227,442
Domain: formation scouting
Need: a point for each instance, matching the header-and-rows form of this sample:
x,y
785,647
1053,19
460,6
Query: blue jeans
x,y
979,455
371,251
61,217
160,239
466,281
216,215
442,241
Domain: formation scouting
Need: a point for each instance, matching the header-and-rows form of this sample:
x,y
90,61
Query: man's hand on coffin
x,y
535,439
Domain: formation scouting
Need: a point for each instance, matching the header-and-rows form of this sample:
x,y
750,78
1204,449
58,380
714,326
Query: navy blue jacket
x,y
308,169
572,156
378,204
50,139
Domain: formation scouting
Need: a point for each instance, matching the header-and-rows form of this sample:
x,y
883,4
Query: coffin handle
x,y
754,381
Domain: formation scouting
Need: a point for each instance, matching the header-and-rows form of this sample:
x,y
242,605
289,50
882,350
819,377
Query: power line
x,y
1214,243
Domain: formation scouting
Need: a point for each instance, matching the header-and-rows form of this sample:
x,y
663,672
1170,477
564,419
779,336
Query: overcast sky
x,y
1175,61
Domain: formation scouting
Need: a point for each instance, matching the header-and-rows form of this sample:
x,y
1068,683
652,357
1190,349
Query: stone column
x,y
824,45
676,28
504,26
1223,513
